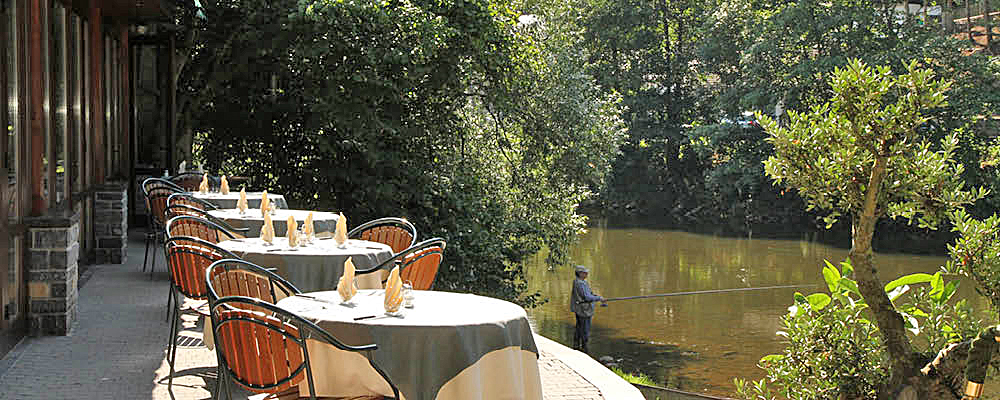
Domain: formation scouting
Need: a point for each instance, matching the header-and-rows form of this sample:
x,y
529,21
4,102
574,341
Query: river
x,y
697,343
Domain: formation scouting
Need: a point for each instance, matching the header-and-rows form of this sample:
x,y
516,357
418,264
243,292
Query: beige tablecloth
x,y
317,266
325,223
449,346
229,200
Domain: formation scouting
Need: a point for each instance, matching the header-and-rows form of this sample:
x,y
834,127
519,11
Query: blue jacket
x,y
581,292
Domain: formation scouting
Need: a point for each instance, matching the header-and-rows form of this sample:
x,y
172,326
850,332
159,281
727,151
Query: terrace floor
x,y
117,349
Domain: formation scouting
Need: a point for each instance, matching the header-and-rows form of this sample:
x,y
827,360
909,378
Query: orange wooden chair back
x,y
397,238
245,282
421,267
188,259
187,200
198,227
188,181
156,203
263,353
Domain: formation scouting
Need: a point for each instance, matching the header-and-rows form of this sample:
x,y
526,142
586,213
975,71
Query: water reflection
x,y
699,342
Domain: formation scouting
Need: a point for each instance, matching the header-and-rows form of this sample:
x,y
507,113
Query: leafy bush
x,y
834,350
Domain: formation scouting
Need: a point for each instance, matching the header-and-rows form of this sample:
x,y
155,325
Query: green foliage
x,y
833,348
876,121
638,377
451,114
976,255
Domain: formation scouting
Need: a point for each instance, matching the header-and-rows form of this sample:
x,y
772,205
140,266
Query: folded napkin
x,y
264,203
393,292
242,202
340,236
267,231
293,232
346,286
224,188
307,227
182,167
203,187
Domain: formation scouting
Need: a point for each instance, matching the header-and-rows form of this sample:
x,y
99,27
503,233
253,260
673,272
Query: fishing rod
x,y
695,292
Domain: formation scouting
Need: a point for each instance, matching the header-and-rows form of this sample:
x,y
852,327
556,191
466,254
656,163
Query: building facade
x,y
68,112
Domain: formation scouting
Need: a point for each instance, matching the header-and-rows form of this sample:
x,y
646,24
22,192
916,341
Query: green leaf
x,y
818,300
850,285
832,276
908,280
899,291
771,357
949,290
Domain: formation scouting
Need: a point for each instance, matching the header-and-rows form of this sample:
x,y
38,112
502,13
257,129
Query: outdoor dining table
x,y
324,223
316,266
229,200
448,346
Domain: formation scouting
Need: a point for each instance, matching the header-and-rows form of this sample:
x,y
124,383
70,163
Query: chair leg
x,y
172,345
152,266
145,255
170,300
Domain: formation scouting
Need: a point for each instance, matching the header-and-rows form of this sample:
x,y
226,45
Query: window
x,y
57,106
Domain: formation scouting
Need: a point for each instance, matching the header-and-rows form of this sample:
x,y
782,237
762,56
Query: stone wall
x,y
110,223
53,253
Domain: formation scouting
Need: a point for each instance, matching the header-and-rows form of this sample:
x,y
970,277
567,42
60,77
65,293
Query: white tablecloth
x,y
317,266
449,346
325,223
229,200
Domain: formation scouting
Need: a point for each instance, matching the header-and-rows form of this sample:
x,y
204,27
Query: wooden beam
x,y
126,104
38,125
96,79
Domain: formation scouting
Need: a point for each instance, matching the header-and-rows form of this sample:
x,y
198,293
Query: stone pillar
x,y
111,223
52,273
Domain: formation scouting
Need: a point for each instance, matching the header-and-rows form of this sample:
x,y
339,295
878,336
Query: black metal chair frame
x,y
186,196
218,228
397,259
307,330
390,221
186,210
175,290
154,231
213,181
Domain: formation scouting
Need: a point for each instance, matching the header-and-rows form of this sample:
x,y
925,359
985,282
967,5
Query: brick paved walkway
x,y
116,349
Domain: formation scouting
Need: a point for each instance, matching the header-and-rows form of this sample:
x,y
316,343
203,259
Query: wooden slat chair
x,y
265,351
186,225
156,191
178,210
191,180
417,264
188,259
189,200
398,233
243,278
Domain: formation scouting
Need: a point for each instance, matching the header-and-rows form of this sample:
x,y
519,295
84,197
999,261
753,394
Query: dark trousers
x,y
582,333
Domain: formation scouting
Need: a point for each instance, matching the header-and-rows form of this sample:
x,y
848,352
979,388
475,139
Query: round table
x,y
229,200
448,346
316,266
325,223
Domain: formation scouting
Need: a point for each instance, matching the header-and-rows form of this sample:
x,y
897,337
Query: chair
x,y
191,180
265,351
417,264
398,233
242,278
157,191
178,210
186,225
189,200
187,259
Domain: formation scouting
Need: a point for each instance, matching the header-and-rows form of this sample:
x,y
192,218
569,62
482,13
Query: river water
x,y
697,343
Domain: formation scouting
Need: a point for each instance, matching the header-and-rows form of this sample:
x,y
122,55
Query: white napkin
x,y
264,203
242,202
340,236
182,167
267,231
293,232
203,187
346,286
393,292
224,188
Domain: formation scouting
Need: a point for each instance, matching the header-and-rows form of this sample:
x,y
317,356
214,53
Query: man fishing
x,y
581,302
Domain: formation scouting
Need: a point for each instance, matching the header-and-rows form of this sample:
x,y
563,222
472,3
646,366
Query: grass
x,y
641,378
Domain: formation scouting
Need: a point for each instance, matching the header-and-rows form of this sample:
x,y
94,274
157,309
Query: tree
x,y
452,114
866,154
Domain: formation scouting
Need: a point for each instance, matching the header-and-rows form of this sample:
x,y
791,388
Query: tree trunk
x,y
889,322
